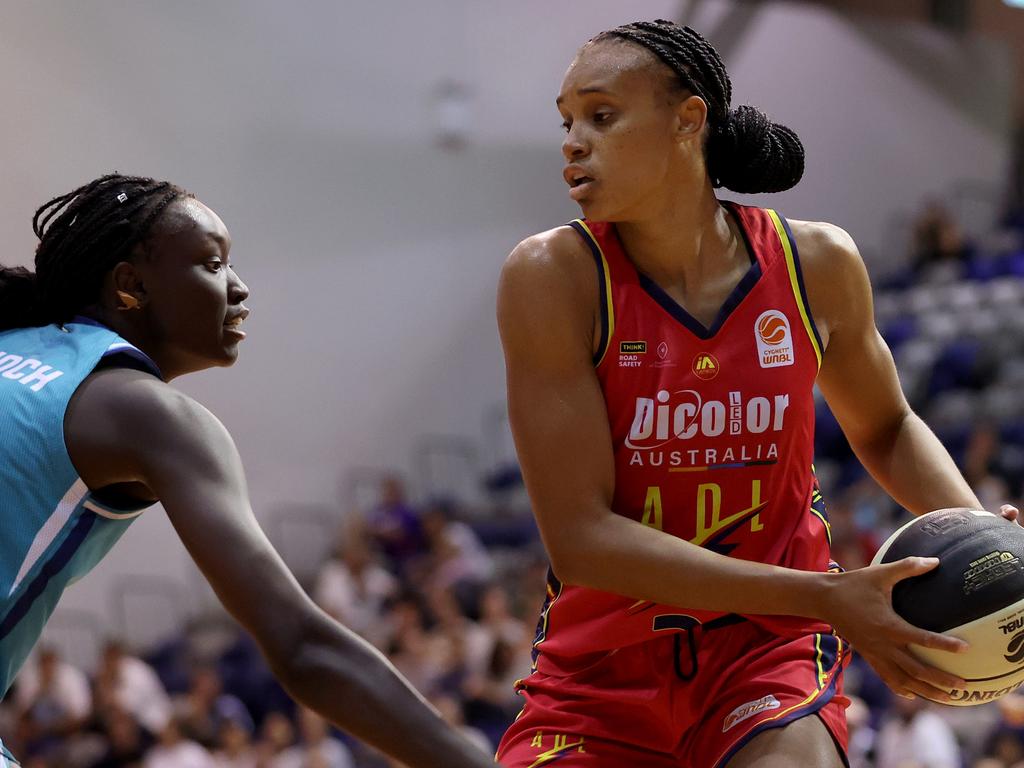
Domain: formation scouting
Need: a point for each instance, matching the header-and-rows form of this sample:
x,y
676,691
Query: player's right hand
x,y
861,611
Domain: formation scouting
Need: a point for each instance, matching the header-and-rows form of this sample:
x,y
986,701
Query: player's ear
x,y
691,116
128,288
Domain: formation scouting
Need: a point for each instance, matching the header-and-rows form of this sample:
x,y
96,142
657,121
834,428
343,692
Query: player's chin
x,y
227,354
230,355
593,209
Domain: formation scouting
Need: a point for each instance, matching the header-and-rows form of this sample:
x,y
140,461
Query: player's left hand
x,y
1010,512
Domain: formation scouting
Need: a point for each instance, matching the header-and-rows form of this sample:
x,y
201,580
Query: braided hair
x,y
745,151
82,236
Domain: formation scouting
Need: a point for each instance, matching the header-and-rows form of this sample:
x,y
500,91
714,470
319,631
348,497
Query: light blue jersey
x,y
52,529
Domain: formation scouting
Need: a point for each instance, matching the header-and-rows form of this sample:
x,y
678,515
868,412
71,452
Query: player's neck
x,y
684,242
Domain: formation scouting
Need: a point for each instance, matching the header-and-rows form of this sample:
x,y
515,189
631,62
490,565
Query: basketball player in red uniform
x,y
664,419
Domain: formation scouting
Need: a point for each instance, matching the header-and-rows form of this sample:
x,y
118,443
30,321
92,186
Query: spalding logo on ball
x,y
976,593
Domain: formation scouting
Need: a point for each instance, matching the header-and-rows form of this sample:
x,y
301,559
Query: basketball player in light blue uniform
x,y
54,529
132,288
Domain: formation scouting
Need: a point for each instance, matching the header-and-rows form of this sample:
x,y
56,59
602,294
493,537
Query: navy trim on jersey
x,y
139,360
670,305
733,209
813,708
53,566
739,293
800,281
602,279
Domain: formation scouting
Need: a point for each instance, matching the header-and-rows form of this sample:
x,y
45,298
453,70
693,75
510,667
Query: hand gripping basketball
x,y
862,613
976,594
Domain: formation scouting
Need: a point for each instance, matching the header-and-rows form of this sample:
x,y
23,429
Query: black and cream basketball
x,y
976,593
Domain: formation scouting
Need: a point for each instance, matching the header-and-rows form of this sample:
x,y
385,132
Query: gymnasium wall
x,y
372,251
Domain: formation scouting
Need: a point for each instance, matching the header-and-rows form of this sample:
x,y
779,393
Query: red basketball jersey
x,y
712,430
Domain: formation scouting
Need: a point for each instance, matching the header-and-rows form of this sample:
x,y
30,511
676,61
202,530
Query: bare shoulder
x,y
128,399
549,256
548,285
833,271
822,244
122,421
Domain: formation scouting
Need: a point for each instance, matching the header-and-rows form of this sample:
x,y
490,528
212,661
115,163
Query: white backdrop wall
x,y
371,252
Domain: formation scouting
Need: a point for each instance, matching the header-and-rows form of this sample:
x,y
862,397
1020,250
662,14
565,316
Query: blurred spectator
x,y
394,526
455,555
353,588
451,710
491,698
317,749
861,738
205,708
410,647
173,750
1004,745
235,747
54,701
132,685
126,743
458,640
497,619
937,237
915,736
985,468
276,735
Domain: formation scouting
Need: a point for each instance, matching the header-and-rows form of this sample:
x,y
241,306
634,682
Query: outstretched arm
x,y
128,427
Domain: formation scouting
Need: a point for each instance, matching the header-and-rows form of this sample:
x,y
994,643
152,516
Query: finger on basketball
x,y
936,641
927,674
923,689
909,567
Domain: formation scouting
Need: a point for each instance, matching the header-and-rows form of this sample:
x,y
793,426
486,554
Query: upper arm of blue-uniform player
x,y
859,380
127,427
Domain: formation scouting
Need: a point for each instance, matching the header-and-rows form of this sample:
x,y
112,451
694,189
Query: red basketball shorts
x,y
692,699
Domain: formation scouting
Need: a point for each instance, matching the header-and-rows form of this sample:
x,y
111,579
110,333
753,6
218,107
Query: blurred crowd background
x,y
427,546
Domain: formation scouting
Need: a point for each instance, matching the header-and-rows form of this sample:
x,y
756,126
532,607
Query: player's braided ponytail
x,y
82,235
745,151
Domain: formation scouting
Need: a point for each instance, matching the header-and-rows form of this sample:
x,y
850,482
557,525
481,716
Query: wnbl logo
x,y
774,339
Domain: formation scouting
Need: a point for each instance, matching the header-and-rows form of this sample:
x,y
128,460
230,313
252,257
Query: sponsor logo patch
x,y
705,366
774,339
993,567
632,347
748,710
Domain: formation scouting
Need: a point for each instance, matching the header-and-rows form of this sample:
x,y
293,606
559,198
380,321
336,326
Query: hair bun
x,y
751,154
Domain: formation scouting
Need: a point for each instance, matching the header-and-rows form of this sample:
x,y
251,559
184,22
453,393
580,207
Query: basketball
x,y
976,593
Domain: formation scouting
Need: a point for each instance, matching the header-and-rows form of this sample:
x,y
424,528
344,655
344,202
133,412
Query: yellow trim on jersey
x,y
817,660
828,528
823,680
794,283
545,617
607,291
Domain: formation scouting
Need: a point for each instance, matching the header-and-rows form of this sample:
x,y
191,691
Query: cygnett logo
x,y
774,340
